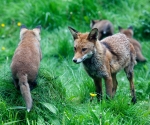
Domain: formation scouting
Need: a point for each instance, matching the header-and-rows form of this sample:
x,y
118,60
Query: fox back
x,y
105,28
26,61
129,33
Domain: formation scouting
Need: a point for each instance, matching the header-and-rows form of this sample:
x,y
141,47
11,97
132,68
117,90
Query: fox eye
x,y
84,49
74,48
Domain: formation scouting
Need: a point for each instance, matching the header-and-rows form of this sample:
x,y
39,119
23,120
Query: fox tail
x,y
25,91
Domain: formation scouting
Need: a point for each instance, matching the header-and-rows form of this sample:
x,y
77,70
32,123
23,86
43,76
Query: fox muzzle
x,y
77,60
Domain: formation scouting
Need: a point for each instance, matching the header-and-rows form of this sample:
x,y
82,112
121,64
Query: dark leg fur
x,y
32,85
98,85
16,83
129,74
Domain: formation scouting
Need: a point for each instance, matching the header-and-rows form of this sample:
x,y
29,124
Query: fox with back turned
x,y
26,61
104,59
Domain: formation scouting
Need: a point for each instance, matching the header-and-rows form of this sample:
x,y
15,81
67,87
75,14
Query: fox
x,y
104,59
105,28
25,62
137,46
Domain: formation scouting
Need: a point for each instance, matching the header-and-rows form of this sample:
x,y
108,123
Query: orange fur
x,y
104,59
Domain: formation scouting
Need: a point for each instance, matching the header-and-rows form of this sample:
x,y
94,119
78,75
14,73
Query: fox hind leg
x,y
129,73
16,83
33,84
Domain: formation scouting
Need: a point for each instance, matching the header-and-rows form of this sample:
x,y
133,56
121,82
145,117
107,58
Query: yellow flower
x,y
2,25
93,95
3,48
19,24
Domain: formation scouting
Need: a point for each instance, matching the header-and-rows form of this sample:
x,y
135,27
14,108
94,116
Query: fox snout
x,y
75,60
79,59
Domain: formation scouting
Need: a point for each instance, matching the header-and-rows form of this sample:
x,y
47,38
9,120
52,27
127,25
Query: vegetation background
x,y
63,92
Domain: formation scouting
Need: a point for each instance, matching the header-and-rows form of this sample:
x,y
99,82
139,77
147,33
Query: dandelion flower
x,y
93,95
19,24
3,48
2,25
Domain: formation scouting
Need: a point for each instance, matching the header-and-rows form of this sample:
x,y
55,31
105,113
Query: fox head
x,y
128,32
104,27
25,32
84,44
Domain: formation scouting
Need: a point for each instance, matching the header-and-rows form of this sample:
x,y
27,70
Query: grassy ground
x,y
62,96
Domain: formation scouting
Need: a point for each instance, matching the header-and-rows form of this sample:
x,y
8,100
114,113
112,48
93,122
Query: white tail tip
x,y
28,110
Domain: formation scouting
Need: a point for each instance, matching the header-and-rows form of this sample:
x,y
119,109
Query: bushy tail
x,y
25,91
140,57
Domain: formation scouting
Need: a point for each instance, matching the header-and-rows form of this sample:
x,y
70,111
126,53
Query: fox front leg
x,y
98,85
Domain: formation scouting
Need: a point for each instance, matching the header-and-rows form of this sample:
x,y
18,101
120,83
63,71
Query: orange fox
x,y
129,33
104,59
25,62
105,28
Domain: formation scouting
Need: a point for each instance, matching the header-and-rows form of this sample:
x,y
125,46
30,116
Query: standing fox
x,y
129,33
25,62
104,59
105,28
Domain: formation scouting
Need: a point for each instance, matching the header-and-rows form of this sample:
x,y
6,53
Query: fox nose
x,y
75,60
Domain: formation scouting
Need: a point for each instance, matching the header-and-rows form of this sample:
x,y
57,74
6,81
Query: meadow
x,y
62,96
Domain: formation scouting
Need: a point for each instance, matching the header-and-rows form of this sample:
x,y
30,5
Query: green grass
x,y
62,96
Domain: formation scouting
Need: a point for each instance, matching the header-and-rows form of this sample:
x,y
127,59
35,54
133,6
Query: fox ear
x,y
37,31
73,32
92,23
130,27
93,35
23,29
120,28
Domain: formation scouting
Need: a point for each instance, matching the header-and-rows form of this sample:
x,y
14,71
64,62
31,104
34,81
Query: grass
x,y
63,93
